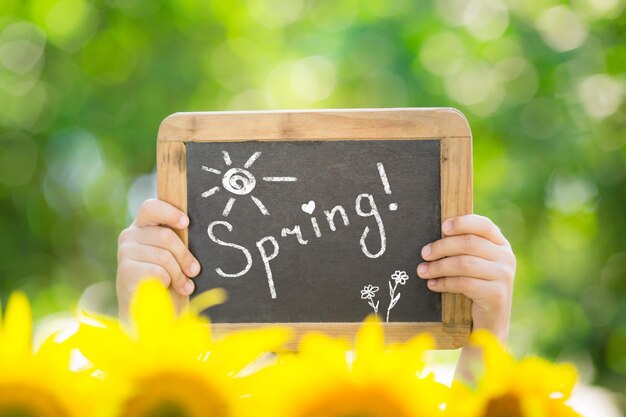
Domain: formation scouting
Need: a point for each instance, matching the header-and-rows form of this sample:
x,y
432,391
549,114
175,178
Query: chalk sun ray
x,y
211,170
228,206
227,159
260,205
280,179
210,192
251,160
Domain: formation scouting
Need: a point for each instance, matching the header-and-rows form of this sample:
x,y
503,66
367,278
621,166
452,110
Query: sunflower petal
x,y
318,345
556,378
207,299
237,350
96,319
107,348
54,354
410,357
370,340
558,408
16,340
496,358
151,311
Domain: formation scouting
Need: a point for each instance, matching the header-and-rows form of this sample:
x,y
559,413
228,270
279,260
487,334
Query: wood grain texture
x,y
456,199
446,124
172,188
446,336
315,124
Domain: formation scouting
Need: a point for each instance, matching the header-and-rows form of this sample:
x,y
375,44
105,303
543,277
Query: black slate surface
x,y
324,279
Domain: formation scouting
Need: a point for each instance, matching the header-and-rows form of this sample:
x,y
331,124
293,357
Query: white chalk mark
x,y
316,227
266,260
379,222
227,159
228,206
211,170
260,205
369,293
280,179
220,242
383,177
210,192
398,277
309,207
238,181
393,206
295,231
251,160
330,217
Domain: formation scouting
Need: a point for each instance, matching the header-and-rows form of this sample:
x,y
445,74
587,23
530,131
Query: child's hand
x,y
476,260
149,248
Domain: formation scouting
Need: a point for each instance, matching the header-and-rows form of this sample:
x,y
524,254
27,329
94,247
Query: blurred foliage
x,y
84,85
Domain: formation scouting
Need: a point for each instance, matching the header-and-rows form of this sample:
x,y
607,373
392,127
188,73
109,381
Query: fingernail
x,y
422,268
432,283
183,221
194,268
426,250
188,288
447,226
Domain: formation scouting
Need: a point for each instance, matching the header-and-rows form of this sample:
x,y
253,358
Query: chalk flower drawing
x,y
397,278
400,277
240,181
368,293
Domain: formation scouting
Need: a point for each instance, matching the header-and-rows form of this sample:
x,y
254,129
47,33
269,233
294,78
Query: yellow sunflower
x,y
531,387
328,379
37,384
169,365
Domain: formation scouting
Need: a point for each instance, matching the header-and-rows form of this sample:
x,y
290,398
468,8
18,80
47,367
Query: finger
x,y
462,265
467,244
164,238
153,212
474,224
160,256
468,286
131,273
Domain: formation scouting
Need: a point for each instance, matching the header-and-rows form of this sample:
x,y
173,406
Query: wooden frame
x,y
445,124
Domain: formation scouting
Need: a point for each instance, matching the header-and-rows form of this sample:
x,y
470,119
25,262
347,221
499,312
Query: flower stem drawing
x,y
369,292
398,277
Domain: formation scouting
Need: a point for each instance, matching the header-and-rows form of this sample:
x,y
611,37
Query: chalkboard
x,y
316,224
316,218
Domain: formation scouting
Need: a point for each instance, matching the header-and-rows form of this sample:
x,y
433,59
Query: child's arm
x,y
149,248
476,260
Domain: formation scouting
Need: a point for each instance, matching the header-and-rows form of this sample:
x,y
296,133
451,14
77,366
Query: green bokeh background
x,y
84,85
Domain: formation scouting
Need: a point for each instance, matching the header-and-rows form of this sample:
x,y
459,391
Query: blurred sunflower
x,y
37,384
325,379
531,387
169,365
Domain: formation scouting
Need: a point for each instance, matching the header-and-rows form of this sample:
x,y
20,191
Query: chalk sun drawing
x,y
240,182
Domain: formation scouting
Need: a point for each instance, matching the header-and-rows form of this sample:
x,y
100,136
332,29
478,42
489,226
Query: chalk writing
x,y
383,177
240,181
245,251
323,225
